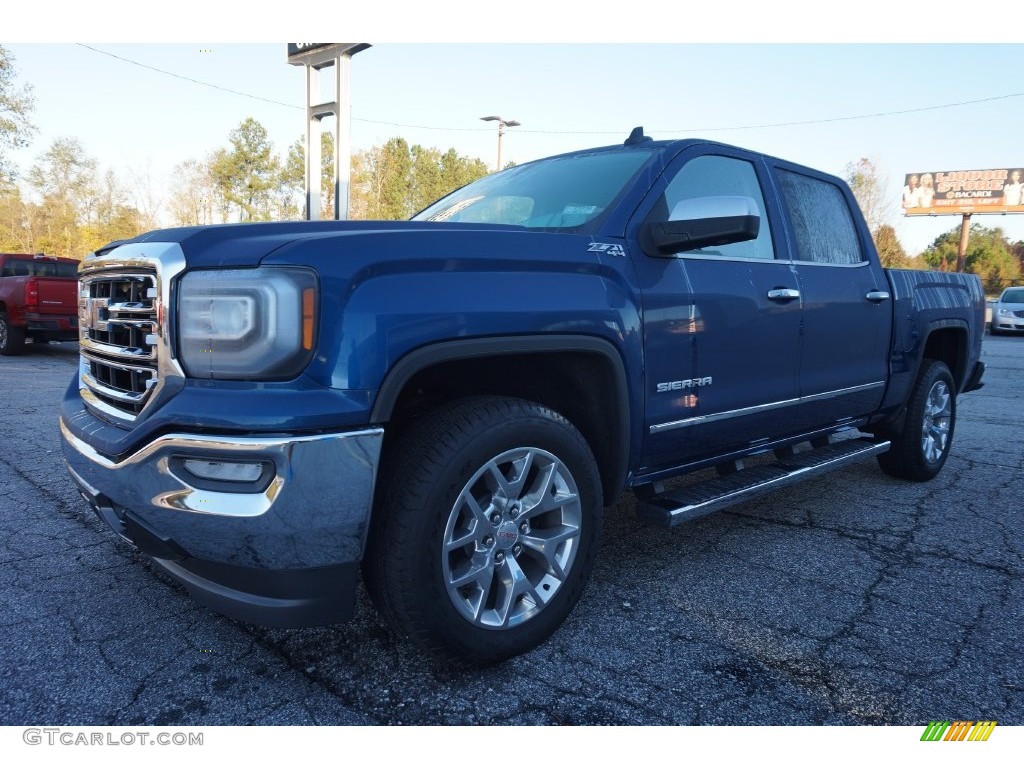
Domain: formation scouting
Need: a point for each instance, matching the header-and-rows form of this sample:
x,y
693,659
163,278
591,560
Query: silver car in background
x,y
1008,312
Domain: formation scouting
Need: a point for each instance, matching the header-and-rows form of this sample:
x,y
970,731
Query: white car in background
x,y
1008,312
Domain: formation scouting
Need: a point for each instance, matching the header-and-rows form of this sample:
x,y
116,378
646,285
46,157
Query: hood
x,y
245,245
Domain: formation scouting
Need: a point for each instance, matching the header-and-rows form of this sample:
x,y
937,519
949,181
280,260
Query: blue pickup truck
x,y
448,403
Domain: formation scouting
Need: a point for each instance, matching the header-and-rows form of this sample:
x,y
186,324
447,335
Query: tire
x,y
12,339
920,449
462,557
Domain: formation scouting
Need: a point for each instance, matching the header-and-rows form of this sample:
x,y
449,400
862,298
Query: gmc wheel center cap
x,y
506,535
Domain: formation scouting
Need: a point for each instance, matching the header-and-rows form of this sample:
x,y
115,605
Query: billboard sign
x,y
995,190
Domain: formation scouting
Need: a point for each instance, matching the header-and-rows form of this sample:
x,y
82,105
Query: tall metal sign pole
x,y
314,57
965,233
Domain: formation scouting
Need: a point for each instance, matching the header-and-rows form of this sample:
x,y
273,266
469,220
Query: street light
x,y
502,125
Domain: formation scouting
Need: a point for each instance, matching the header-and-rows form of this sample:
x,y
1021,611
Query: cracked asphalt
x,y
850,599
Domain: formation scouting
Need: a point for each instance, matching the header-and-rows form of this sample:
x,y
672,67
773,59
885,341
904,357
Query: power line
x,y
188,79
261,98
860,117
706,129
425,127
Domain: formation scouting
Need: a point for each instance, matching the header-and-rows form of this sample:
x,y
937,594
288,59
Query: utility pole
x,y
502,125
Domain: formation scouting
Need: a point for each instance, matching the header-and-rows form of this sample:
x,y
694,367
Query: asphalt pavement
x,y
850,599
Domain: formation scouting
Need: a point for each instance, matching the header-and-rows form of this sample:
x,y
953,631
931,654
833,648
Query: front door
x,y
721,324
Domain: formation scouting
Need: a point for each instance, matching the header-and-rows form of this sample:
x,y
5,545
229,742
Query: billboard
x,y
996,190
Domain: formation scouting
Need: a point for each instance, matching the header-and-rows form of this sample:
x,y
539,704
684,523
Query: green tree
x,y
192,195
890,250
394,169
15,230
458,170
292,178
245,175
868,186
112,217
428,179
989,256
1017,249
65,178
15,106
395,181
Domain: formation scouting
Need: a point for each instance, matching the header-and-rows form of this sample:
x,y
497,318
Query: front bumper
x,y
282,550
1008,324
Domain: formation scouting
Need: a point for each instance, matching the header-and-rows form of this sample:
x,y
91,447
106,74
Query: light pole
x,y
502,125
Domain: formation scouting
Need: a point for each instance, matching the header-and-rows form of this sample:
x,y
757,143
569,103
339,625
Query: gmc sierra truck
x,y
447,404
38,300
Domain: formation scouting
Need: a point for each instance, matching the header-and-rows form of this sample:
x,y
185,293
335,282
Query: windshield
x,y
1013,296
560,193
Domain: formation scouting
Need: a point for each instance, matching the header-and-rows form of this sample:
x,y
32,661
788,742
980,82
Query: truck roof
x,y
37,257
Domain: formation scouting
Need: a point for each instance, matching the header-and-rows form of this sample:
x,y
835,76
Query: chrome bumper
x,y
311,510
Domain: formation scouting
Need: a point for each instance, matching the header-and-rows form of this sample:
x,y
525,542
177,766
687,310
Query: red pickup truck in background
x,y
38,300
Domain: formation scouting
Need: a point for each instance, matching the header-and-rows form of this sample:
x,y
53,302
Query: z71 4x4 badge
x,y
611,249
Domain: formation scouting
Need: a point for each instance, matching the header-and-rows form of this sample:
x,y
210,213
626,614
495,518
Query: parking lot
x,y
851,599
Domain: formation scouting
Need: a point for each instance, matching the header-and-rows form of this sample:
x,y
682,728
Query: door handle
x,y
783,294
877,296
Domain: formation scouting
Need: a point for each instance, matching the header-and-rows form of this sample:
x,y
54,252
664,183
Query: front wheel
x,y
920,449
486,528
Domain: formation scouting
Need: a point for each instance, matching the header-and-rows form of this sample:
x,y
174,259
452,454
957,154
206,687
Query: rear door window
x,y
823,225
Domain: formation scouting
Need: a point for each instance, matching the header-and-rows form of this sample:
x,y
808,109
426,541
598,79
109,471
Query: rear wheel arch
x,y
947,341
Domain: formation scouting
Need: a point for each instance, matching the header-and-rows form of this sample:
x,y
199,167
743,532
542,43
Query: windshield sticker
x,y
579,210
458,207
612,249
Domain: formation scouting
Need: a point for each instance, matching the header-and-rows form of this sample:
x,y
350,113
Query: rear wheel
x,y
920,449
12,339
486,529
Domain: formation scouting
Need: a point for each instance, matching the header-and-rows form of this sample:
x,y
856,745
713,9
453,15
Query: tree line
x,y
67,207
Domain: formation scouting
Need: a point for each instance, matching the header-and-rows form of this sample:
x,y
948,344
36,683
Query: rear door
x,y
847,308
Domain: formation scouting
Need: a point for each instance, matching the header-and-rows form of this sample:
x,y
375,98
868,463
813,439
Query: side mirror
x,y
706,221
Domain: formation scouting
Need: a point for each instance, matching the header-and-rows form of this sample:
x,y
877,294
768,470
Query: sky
x,y
790,98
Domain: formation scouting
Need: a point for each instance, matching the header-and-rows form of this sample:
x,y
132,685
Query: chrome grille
x,y
119,325
1019,313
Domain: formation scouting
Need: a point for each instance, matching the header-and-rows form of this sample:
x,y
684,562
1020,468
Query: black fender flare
x,y
429,355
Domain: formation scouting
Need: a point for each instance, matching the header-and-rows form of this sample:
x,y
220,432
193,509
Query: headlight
x,y
246,323
1005,312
